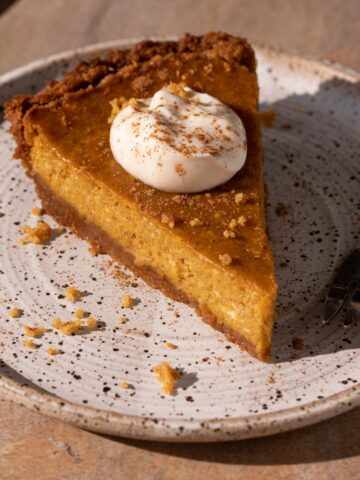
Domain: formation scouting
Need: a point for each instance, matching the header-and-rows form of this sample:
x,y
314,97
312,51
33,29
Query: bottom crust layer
x,y
67,215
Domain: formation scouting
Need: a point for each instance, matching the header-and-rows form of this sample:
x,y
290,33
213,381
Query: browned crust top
x,y
93,72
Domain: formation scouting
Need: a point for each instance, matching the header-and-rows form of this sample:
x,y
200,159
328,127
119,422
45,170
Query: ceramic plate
x,y
223,394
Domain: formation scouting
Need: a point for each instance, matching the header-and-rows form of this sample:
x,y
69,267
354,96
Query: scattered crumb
x,y
37,211
94,250
268,118
53,351
195,222
167,220
232,224
36,332
123,319
57,323
180,170
239,197
271,379
127,301
225,259
29,344
241,220
178,89
167,376
91,323
118,104
38,235
15,312
80,313
170,345
228,234
67,328
178,198
124,385
282,210
297,343
72,294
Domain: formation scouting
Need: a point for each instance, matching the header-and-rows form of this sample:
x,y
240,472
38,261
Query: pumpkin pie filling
x,y
209,249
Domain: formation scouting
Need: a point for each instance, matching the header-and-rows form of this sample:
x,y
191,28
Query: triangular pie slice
x,y
210,249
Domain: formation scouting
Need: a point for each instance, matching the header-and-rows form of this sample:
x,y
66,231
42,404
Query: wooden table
x,y
36,447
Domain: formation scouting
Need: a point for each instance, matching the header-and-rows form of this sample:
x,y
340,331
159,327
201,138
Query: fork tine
x,y
352,308
334,301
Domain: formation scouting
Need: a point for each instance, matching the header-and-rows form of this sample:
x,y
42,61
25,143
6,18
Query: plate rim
x,y
168,429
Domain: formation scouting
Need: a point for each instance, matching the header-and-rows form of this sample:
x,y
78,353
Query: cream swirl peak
x,y
179,140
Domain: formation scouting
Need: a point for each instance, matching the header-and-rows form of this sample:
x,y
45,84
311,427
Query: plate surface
x,y
223,394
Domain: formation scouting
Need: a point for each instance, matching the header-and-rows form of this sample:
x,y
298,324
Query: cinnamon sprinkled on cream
x,y
178,140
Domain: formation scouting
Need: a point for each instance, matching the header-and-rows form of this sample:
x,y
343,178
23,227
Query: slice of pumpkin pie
x,y
154,156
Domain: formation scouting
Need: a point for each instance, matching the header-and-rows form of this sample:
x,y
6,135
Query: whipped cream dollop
x,y
179,140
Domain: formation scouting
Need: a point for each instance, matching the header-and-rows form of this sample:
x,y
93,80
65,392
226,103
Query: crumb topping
x,y
241,221
239,197
178,89
124,385
38,235
167,220
167,376
228,234
118,104
232,224
195,222
225,259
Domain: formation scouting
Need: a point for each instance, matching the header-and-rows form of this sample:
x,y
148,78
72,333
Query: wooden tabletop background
x,y
36,447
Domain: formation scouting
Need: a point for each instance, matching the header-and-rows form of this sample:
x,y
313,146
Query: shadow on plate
x,y
8,372
323,442
312,174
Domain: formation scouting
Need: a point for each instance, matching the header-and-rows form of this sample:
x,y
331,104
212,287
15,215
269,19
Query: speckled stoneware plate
x,y
312,154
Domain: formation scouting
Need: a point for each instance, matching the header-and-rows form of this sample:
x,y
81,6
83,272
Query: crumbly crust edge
x,y
90,74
